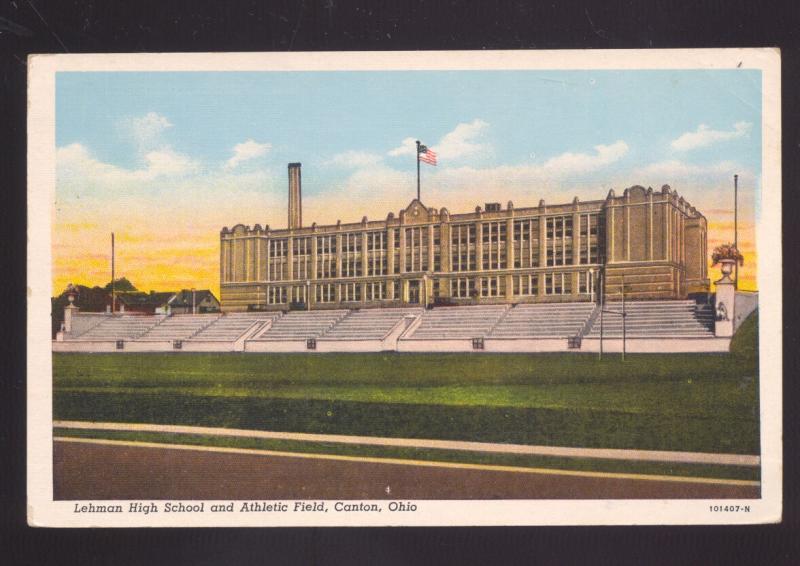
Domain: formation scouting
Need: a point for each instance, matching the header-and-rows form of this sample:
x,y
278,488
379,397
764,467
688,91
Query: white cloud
x,y
146,131
570,163
354,159
462,141
705,136
246,151
407,147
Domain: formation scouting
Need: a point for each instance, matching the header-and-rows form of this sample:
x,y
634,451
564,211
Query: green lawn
x,y
696,402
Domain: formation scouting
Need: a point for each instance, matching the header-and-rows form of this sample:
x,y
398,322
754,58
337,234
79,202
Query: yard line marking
x,y
531,450
424,463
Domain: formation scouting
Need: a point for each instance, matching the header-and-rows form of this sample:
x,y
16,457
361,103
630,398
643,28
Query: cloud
x,y
246,151
80,173
352,159
705,136
146,131
463,141
407,147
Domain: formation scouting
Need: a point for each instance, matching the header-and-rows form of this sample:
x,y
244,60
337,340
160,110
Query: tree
x,y
121,285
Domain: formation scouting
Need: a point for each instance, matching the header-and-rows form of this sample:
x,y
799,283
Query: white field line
x,y
403,462
558,451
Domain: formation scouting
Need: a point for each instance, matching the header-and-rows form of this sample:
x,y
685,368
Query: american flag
x,y
427,155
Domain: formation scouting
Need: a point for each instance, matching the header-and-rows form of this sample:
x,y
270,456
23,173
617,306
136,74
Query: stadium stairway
x,y
368,324
648,319
550,320
178,327
301,325
231,326
120,327
464,322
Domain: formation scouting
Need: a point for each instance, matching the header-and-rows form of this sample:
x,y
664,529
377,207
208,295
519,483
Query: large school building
x,y
652,242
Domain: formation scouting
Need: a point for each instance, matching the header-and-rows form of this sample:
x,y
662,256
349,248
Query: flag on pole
x,y
427,155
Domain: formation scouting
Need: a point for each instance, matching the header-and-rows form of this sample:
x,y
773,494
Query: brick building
x,y
655,240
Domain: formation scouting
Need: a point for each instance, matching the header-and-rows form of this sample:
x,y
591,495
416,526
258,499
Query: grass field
x,y
693,402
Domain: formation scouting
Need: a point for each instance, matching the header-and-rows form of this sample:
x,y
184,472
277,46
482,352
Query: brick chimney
x,y
295,197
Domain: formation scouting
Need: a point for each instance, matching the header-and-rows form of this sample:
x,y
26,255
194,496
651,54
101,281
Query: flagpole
x,y
418,170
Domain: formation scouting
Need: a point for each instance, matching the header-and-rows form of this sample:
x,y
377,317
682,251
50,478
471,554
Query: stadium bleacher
x,y
120,327
368,324
553,320
301,325
458,322
229,327
646,319
179,327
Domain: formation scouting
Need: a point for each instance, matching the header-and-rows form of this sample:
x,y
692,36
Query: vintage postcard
x,y
421,288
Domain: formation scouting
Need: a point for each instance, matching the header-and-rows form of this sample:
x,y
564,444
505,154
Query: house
x,y
196,301
150,303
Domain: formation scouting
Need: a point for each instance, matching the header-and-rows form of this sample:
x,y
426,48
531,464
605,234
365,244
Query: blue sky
x,y
310,117
221,141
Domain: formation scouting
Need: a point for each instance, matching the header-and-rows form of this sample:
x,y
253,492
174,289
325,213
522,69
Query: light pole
x,y
194,309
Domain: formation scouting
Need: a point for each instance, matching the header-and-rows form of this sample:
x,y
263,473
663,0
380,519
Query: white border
x,y
43,511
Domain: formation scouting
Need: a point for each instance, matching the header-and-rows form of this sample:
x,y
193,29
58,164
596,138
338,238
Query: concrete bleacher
x,y
463,322
646,319
553,320
368,324
231,326
301,325
120,327
179,327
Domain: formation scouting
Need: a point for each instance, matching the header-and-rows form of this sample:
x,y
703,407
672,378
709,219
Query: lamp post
x,y
194,309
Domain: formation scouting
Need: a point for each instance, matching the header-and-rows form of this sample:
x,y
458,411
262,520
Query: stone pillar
x,y
338,260
389,251
403,251
724,307
445,263
430,246
290,258
576,237
364,256
510,244
478,246
509,286
69,311
542,241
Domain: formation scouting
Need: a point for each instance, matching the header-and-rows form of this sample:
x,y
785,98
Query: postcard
x,y
405,288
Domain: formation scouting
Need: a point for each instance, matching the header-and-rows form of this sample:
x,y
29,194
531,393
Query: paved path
x,y
604,453
105,469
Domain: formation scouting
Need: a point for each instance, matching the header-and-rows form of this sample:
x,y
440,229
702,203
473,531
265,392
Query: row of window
x,y
495,251
460,288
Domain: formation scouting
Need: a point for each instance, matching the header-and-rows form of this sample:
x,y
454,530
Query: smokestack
x,y
295,197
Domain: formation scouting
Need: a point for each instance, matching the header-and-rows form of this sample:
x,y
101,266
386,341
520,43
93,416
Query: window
x,y
277,253
301,258
494,286
462,247
526,285
462,287
326,257
276,295
325,293
376,291
494,245
351,292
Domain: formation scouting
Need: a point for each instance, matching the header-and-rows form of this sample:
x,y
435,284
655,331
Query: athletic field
x,y
692,403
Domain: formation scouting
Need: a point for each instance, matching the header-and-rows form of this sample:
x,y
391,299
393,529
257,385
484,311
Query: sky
x,y
166,159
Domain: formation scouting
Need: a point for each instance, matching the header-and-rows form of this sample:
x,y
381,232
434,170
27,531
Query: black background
x,y
39,26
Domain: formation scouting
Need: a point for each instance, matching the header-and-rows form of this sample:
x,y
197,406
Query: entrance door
x,y
413,292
